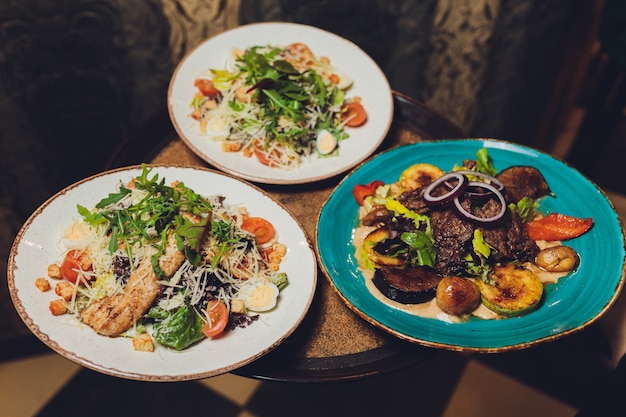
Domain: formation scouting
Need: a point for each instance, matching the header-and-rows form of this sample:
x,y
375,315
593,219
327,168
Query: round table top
x,y
332,343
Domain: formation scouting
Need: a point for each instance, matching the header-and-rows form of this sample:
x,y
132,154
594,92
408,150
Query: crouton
x,y
42,284
58,307
248,152
230,146
276,256
237,305
209,105
143,343
54,271
64,289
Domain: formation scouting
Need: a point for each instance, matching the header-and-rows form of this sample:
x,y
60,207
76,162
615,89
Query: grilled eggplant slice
x,y
523,181
410,285
515,291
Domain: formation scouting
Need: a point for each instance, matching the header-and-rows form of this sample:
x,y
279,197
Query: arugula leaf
x,y
257,66
192,232
190,235
285,67
113,198
236,105
94,218
149,220
223,232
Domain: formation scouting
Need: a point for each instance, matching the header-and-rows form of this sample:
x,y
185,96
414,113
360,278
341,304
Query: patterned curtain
x,y
85,72
485,64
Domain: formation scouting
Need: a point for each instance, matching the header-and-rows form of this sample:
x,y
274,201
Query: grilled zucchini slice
x,y
418,176
375,240
515,291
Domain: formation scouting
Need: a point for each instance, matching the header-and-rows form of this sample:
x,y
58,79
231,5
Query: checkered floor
x,y
449,385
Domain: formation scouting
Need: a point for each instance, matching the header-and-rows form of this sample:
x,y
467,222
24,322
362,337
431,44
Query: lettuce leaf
x,y
180,329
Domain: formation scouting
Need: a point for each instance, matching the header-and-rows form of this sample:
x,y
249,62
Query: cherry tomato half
x,y
263,156
217,318
74,262
206,87
262,229
354,114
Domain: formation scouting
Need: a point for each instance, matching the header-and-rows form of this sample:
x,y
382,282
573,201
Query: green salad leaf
x,y
526,208
180,329
484,163
423,253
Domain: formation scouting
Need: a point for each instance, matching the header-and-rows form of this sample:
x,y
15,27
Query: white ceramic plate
x,y
36,246
369,83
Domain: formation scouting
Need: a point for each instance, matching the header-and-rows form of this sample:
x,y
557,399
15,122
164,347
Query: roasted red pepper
x,y
360,191
556,226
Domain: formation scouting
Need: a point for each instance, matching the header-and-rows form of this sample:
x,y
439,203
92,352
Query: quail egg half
x,y
217,129
259,297
326,142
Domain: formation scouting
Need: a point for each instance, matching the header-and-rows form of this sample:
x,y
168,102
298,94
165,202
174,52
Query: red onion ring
x,y
497,182
480,195
470,216
450,195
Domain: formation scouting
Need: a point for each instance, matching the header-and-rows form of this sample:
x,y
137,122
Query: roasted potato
x,y
457,296
557,259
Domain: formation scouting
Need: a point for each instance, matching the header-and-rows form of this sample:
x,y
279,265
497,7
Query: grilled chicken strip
x,y
113,315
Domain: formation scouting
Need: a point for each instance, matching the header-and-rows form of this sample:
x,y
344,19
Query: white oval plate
x,y
369,83
36,247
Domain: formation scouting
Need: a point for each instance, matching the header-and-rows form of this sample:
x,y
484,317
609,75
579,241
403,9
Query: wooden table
x,y
332,343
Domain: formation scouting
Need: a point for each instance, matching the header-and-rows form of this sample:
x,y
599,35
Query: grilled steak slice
x,y
510,240
523,181
413,200
411,285
451,235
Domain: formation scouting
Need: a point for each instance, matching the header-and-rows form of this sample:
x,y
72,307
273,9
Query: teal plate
x,y
570,305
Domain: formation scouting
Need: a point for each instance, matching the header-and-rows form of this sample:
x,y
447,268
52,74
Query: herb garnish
x,y
286,92
149,220
288,104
